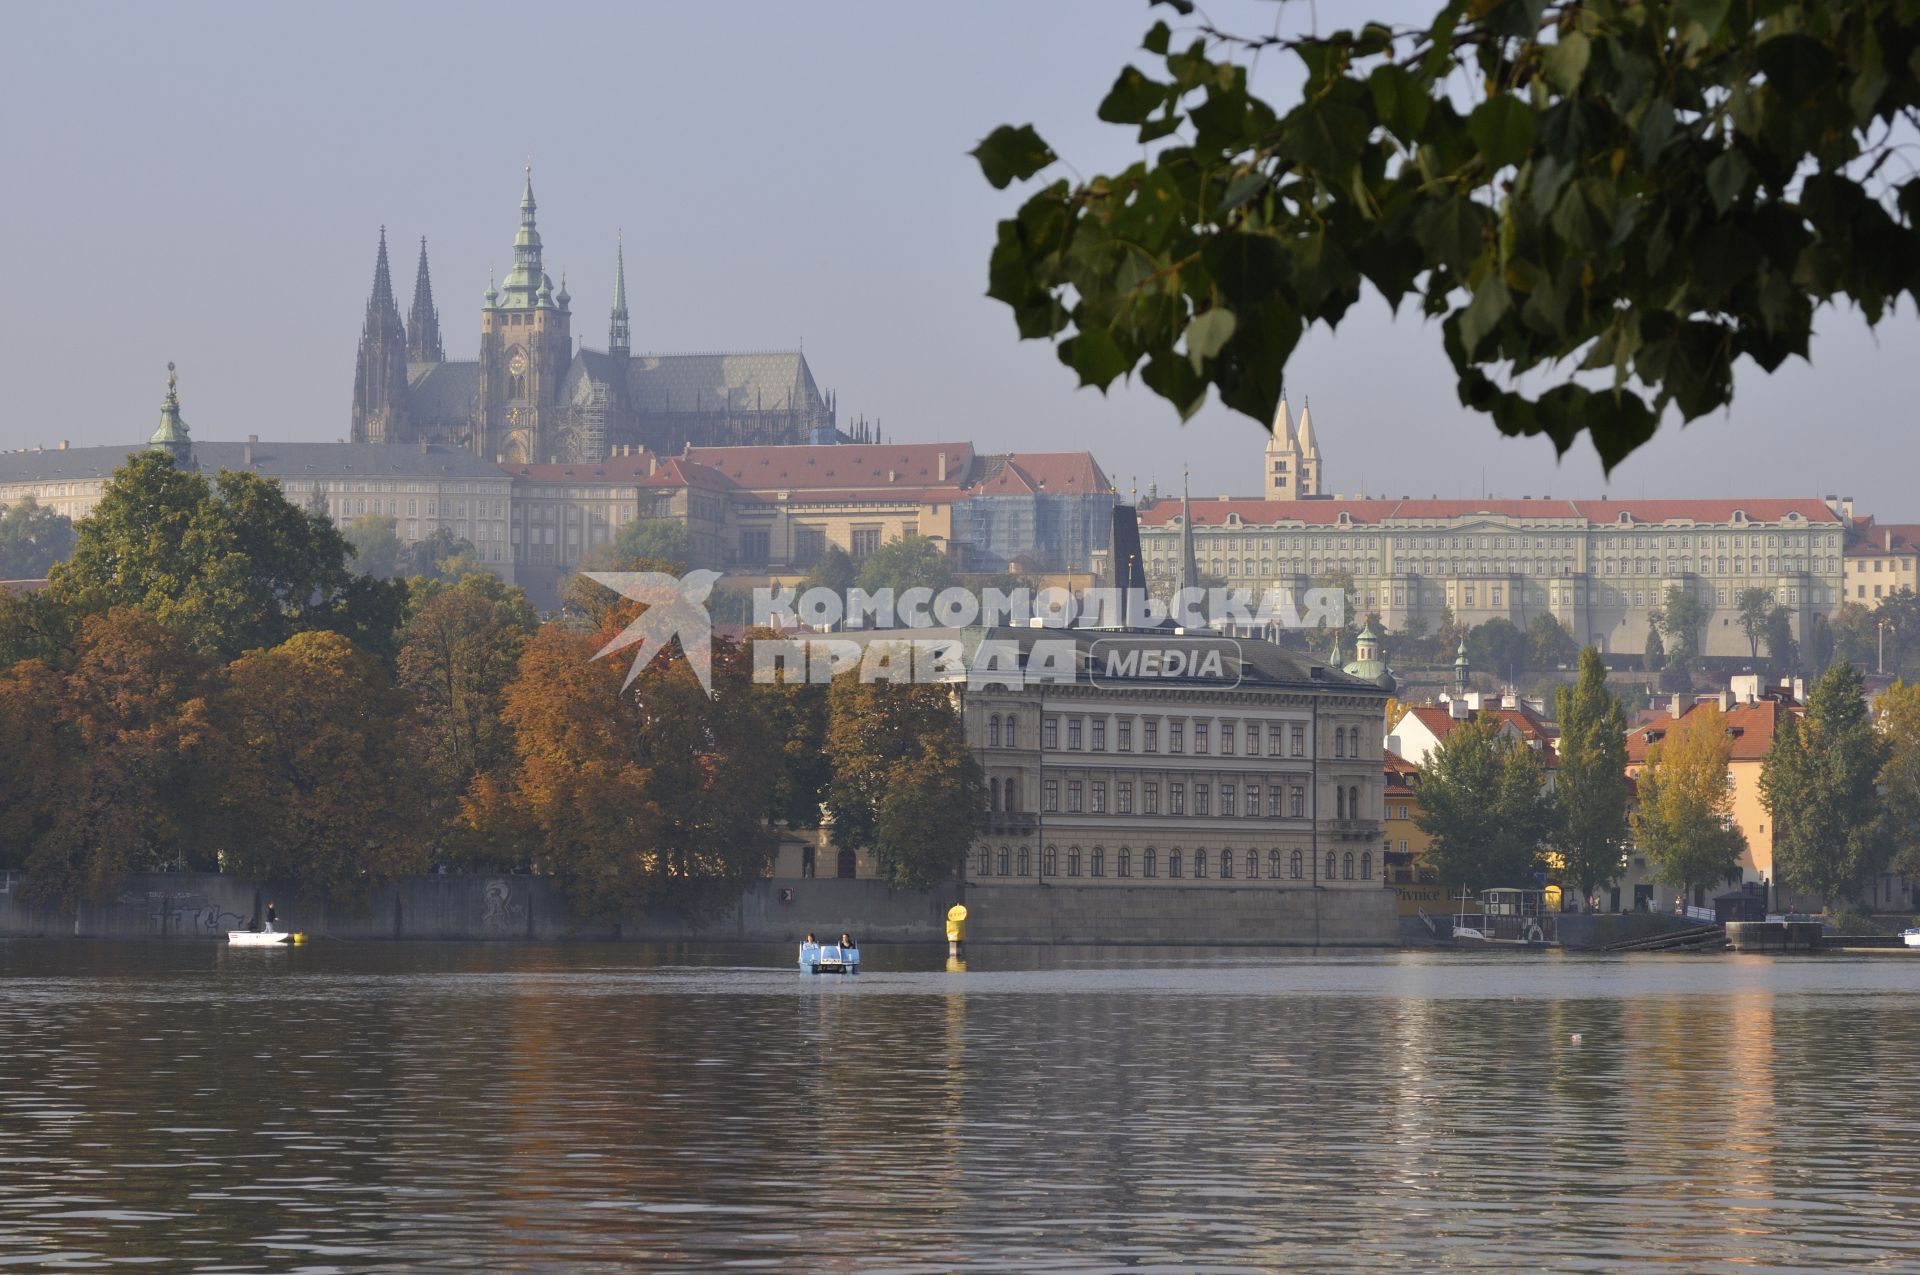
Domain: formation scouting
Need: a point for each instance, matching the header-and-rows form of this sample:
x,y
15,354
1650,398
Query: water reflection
x,y
353,1107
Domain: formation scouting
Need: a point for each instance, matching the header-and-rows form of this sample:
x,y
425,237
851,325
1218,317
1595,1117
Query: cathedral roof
x,y
661,383
438,392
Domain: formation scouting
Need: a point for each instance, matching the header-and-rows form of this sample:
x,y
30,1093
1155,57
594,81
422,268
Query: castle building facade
x,y
536,396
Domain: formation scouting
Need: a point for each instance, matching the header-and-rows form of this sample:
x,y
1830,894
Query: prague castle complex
x,y
534,396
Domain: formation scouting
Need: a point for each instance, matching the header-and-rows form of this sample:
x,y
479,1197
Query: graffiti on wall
x,y
498,910
177,913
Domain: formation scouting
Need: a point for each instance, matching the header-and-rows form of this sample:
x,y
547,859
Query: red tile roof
x,y
1055,473
668,471
1750,724
1878,539
1213,512
1530,728
844,466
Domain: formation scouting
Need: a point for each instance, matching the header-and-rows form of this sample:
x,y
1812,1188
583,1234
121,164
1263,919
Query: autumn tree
x,y
318,754
1498,647
1680,618
110,749
32,539
376,547
1591,791
1484,806
1683,821
1783,652
910,562
1897,716
904,781
1648,191
1549,644
1820,783
461,647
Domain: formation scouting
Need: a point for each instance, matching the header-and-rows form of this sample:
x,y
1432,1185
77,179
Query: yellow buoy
x,y
299,940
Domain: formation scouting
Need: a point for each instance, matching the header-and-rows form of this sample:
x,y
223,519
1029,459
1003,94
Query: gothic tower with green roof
x,y
171,436
526,347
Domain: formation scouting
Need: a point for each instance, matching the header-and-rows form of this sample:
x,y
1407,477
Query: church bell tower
x,y
525,349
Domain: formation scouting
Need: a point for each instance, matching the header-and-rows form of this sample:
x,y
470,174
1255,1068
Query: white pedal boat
x,y
829,958
262,938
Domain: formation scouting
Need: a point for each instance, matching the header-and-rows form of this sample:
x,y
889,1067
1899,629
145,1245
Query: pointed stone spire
x,y
620,330
423,320
1461,669
1307,443
1282,431
171,437
1189,566
380,370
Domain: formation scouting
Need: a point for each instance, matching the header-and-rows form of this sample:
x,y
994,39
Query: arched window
x,y
983,866
1049,862
993,794
993,731
1123,863
1025,860
1353,803
1295,866
1366,865
1004,861
1200,862
1339,803
1149,862
1097,865
1356,741
1339,743
1010,795
1013,740
1173,862
1346,866
1073,861
1226,864
1253,864
1331,865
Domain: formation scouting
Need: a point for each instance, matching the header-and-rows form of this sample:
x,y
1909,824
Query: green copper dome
x,y
171,436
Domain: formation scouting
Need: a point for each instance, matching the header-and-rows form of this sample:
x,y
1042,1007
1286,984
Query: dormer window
x,y
1626,519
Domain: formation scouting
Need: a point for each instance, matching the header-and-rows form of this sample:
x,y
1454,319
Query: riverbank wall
x,y
205,906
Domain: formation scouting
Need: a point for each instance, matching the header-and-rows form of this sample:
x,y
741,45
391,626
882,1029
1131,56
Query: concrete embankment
x,y
527,908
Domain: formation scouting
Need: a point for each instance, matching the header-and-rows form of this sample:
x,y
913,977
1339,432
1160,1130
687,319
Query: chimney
x,y
246,451
423,447
1674,710
943,467
653,466
1888,530
253,438
1508,699
63,447
1726,700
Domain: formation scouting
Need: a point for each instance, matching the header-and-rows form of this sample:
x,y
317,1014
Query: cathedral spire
x,y
380,370
423,320
1189,567
527,281
620,332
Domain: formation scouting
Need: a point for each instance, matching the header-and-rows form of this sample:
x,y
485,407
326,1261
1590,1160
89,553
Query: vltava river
x,y
352,1107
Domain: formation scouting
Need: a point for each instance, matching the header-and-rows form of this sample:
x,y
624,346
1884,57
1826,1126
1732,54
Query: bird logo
x,y
675,607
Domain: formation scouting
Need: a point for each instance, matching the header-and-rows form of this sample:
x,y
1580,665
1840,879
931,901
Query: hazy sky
x,y
204,183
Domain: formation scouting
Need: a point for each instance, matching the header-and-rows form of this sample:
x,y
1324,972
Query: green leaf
x,y
1010,154
1173,378
1208,332
1158,38
1132,98
1400,101
1584,215
1566,61
1453,231
1502,127
1727,178
1095,356
1490,303
1326,137
1241,189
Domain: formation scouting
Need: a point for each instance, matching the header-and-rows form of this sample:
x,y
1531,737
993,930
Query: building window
x,y
1049,732
1366,865
1200,863
1099,734
1050,796
1226,800
1125,727
1073,796
985,865
1339,803
1299,741
1253,864
1010,794
1226,865
1025,860
1200,732
1123,863
1003,860
1073,861
1295,867
1353,803
1150,737
1099,797
1176,737
1227,733
1273,741
1346,866
1012,734
1150,799
1124,796
865,542
1150,862
1176,799
1298,802
993,732
1331,865
1253,801
1049,862
1073,734
1203,799
1097,863
1173,863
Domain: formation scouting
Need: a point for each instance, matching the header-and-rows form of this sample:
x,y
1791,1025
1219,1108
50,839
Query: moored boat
x,y
829,958
262,938
1911,937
